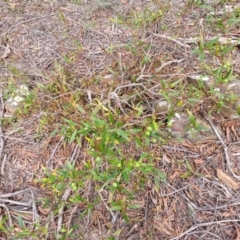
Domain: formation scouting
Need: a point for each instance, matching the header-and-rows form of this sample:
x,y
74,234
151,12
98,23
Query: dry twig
x,y
159,69
171,39
23,204
1,131
27,21
204,225
55,150
227,158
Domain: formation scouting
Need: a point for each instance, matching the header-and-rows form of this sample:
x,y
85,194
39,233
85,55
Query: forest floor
x,y
86,154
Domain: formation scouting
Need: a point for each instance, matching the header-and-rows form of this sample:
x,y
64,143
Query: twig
x,y
61,95
31,202
71,216
26,204
29,20
221,187
34,208
60,213
134,227
3,164
175,149
14,131
8,213
207,232
224,148
227,9
17,139
135,85
171,39
144,66
141,76
1,131
55,149
177,190
204,225
7,195
114,216
67,192
120,65
98,32
114,96
168,63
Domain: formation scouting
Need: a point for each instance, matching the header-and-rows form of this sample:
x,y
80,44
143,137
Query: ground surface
x,y
86,155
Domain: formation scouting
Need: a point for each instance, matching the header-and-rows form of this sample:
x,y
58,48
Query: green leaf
x,y
73,136
212,42
80,109
186,175
99,123
238,110
143,156
95,176
111,118
174,84
122,133
156,181
20,221
70,122
116,208
189,166
135,130
135,206
162,176
117,20
54,133
40,85
70,166
155,126
117,233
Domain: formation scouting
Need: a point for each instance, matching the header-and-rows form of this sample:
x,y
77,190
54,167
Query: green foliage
x,y
140,19
106,165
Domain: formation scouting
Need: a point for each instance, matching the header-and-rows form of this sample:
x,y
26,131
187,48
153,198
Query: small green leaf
x,y
73,136
54,133
70,166
99,123
189,166
80,109
155,126
162,176
20,221
122,133
116,208
194,100
136,130
212,42
238,110
174,84
117,233
135,206
186,175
